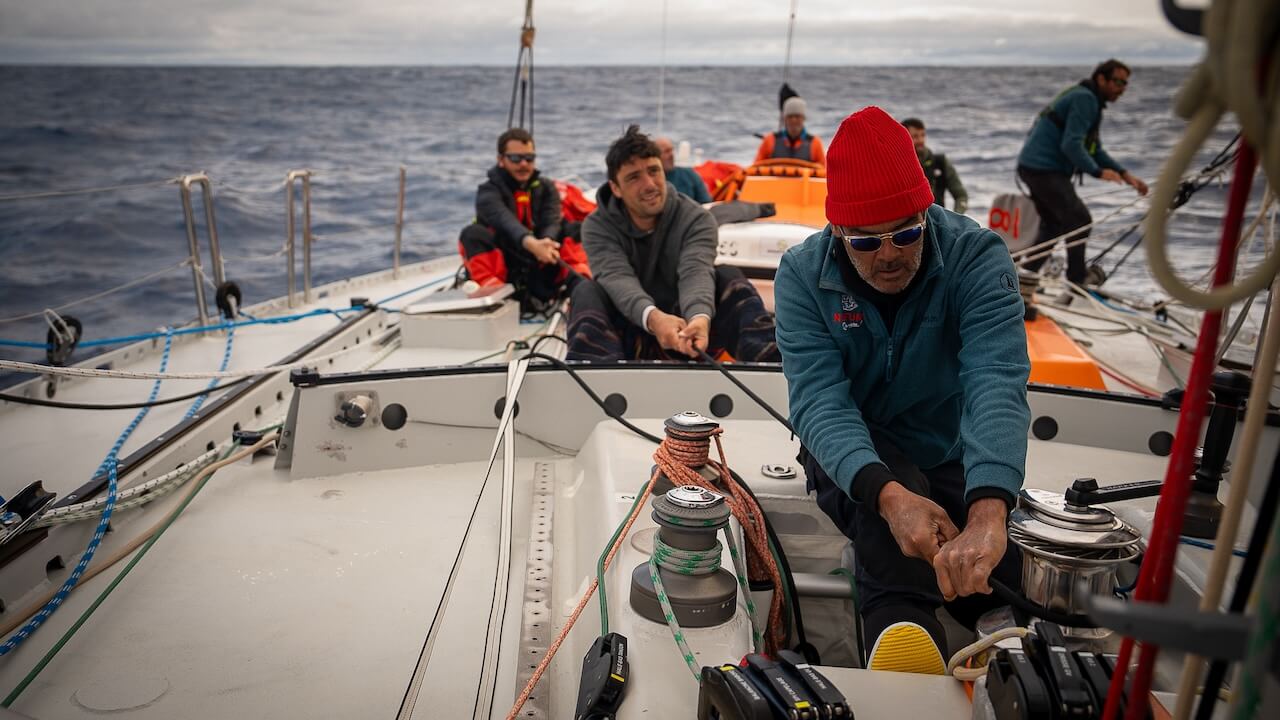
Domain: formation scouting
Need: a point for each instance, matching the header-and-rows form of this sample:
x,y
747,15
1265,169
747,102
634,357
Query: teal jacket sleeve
x,y
1106,161
993,365
822,410
1079,107
700,192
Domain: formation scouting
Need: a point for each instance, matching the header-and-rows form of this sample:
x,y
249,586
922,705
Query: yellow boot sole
x,y
906,647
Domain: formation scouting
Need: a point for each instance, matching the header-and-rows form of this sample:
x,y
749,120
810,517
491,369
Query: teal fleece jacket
x,y
1066,149
950,384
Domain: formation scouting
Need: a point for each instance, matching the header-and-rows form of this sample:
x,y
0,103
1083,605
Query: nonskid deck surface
x,y
289,596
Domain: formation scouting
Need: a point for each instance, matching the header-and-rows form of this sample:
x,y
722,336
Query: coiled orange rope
x,y
677,457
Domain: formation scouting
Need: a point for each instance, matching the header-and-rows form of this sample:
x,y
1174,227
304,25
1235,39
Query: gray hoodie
x,y
672,267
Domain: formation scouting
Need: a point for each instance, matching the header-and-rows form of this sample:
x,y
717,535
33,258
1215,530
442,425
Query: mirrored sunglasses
x,y
517,158
871,243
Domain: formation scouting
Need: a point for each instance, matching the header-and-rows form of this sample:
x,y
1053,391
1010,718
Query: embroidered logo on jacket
x,y
849,316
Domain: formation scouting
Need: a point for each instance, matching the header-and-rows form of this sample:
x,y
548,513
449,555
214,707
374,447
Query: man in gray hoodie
x,y
657,293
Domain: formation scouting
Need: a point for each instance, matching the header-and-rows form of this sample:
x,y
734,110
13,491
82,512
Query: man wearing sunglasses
x,y
903,345
1064,143
519,235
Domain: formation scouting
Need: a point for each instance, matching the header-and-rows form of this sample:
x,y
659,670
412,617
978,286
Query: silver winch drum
x,y
1069,551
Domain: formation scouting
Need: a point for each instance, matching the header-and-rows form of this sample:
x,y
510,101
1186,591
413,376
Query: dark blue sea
x,y
67,128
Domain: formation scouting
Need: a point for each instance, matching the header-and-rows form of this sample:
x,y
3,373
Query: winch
x,y
1066,546
700,592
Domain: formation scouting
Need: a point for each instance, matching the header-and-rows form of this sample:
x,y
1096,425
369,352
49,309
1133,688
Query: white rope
x,y
352,231
58,326
237,190
95,296
148,491
1239,37
87,191
1039,247
131,375
986,643
258,258
1241,475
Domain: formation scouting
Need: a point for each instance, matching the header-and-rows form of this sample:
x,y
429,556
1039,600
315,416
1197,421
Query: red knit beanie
x,y
873,175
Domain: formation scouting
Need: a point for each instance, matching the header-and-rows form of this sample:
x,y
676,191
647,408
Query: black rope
x,y
758,400
1019,602
1244,585
115,406
594,397
793,596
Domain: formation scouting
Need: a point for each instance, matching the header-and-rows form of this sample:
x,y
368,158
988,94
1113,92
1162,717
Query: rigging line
x,y
662,68
131,375
501,576
95,296
23,400
791,26
87,191
515,379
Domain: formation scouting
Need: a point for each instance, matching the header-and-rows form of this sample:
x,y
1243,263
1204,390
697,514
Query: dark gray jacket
x,y
496,208
672,267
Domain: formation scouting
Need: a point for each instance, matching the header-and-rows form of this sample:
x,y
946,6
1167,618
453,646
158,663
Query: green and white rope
x,y
696,562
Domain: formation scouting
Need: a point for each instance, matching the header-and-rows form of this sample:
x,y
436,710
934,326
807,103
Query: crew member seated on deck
x,y
657,294
688,182
519,235
793,141
905,354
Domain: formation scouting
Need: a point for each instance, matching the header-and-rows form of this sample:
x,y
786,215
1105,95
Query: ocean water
x,y
65,128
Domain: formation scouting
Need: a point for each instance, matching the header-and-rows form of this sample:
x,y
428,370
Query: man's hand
x,y
1111,176
666,328
919,524
965,563
545,250
696,334
1136,182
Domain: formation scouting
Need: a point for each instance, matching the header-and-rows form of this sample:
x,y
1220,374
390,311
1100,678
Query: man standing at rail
x,y
1063,143
657,293
902,339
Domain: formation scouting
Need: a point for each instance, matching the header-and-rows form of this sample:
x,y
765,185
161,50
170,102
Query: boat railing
x,y
209,272
193,242
290,181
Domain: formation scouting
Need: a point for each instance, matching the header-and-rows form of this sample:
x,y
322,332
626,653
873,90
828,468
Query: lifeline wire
x,y
108,464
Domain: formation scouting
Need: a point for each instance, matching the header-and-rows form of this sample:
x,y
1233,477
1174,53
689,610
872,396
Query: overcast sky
x,y
588,32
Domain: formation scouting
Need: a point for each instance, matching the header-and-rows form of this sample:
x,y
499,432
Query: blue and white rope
x,y
109,465
226,360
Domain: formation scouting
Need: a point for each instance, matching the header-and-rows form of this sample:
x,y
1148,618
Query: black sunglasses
x,y
517,158
1119,81
871,243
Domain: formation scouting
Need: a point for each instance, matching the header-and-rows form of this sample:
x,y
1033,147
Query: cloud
x,y
584,32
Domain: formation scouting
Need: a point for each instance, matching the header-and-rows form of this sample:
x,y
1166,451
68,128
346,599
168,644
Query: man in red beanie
x,y
902,339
